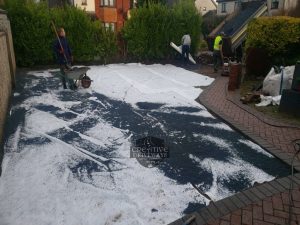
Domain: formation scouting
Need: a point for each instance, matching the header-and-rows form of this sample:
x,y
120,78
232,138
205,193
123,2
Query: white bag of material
x,y
271,84
269,100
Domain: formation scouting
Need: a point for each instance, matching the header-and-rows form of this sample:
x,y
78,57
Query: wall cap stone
x,y
2,11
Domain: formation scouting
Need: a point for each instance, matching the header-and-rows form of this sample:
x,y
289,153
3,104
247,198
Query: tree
x,y
140,3
152,27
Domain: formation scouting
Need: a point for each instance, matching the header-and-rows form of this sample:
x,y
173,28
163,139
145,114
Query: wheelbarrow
x,y
76,76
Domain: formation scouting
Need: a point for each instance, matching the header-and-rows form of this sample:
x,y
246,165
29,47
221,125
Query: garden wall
x,y
7,70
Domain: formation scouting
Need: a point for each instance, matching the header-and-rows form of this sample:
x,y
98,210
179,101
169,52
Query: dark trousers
x,y
71,83
217,60
63,79
185,52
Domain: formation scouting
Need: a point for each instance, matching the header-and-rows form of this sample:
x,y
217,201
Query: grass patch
x,y
271,111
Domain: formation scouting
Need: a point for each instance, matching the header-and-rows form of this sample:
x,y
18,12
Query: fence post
x,y
281,79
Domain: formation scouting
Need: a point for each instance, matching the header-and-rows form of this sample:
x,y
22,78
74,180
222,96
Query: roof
x,y
210,14
205,2
172,2
2,11
235,25
246,13
219,1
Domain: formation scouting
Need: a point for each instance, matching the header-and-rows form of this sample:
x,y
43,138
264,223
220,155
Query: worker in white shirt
x,y
186,44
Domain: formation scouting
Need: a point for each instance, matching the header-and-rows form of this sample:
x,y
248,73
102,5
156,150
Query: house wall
x,y
5,84
89,7
5,27
203,6
278,11
122,7
115,14
7,71
290,4
292,8
230,7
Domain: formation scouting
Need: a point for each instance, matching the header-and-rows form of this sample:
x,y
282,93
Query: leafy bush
x,y
151,28
33,36
87,38
141,3
210,21
203,45
279,36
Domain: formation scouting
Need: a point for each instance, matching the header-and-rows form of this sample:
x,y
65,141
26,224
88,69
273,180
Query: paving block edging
x,y
218,209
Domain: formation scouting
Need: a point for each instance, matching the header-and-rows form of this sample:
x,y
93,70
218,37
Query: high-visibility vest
x,y
217,43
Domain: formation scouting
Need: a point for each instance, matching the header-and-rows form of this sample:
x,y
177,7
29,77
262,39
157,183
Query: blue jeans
x,y
185,52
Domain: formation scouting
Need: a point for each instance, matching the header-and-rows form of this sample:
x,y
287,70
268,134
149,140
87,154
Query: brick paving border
x,y
269,203
276,137
266,204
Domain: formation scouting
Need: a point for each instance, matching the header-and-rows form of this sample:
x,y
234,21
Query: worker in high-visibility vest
x,y
218,53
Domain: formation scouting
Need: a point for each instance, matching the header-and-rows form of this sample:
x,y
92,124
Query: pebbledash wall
x,y
7,71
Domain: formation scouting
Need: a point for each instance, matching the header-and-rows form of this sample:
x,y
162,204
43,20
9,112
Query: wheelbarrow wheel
x,y
86,81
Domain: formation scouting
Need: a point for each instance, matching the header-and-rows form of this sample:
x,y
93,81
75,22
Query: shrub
x,y
141,3
151,28
87,38
210,22
33,36
279,36
258,63
203,46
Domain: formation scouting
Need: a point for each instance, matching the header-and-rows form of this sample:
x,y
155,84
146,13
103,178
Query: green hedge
x,y
140,3
151,28
279,36
33,36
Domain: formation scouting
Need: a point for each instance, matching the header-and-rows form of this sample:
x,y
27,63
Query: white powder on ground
x,y
37,186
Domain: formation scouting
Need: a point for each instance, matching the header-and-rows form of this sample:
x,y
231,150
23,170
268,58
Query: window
x,y
110,26
108,3
235,5
274,4
223,7
204,8
83,2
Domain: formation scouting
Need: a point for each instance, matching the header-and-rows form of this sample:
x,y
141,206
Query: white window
x,y
235,5
109,3
274,4
110,26
223,7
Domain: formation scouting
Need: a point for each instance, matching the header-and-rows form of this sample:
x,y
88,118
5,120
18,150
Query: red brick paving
x,y
264,212
275,136
278,137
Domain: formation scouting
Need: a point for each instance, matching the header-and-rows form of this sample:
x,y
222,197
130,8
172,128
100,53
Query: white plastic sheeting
x,y
269,100
271,84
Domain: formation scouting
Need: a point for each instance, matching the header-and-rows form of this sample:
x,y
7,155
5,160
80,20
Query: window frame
x,y
236,5
111,3
110,26
223,7
274,4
